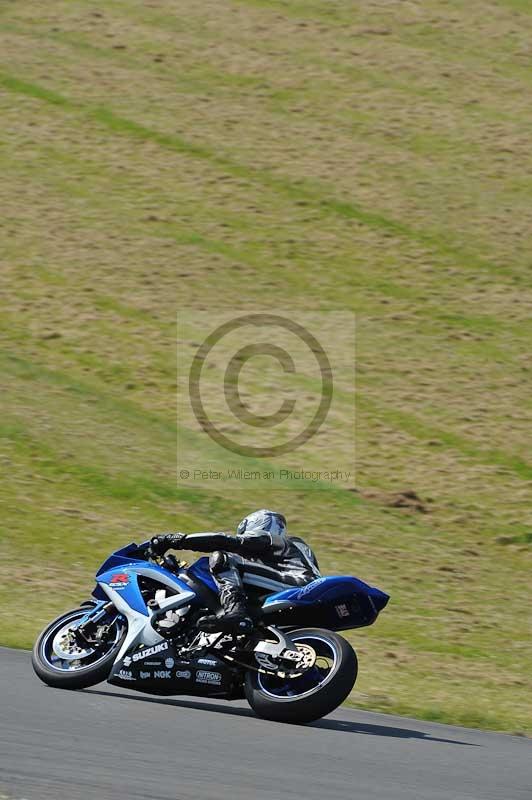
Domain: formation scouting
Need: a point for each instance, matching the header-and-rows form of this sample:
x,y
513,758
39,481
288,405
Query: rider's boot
x,y
233,617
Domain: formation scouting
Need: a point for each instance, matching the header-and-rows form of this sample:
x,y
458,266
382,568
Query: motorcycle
x,y
139,630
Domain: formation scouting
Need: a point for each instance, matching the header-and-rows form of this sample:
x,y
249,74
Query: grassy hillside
x,y
163,160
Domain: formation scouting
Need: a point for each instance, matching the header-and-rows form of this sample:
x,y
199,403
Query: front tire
x,y
317,692
76,669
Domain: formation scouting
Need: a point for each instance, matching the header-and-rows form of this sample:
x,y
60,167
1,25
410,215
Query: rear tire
x,y
270,700
79,677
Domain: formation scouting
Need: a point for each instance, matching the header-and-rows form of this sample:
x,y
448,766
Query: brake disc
x,y
66,647
308,658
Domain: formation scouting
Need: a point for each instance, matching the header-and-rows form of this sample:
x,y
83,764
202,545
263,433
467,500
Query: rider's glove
x,y
160,544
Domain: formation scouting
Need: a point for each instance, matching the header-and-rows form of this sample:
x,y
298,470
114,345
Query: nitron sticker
x,y
208,677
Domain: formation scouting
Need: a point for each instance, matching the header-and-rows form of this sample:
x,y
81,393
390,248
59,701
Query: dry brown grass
x,y
314,157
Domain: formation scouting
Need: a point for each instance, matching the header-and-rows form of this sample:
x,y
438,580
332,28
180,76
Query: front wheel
x,y
60,660
317,692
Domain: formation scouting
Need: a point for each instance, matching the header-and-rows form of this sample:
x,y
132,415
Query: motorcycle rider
x,y
261,554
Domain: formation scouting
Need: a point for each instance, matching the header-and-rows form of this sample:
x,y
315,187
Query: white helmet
x,y
263,520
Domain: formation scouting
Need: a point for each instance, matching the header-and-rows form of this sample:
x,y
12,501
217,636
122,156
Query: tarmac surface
x,y
108,744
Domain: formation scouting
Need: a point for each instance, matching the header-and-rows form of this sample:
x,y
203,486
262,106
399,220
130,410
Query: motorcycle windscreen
x,y
128,555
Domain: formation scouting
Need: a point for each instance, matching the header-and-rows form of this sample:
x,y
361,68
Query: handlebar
x,y
168,562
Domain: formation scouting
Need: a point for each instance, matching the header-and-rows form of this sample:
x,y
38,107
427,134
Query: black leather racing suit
x,y
264,560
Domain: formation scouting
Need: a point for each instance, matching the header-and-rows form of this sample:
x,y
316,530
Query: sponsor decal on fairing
x,y
144,675
183,673
124,675
150,651
342,610
119,581
311,586
162,673
208,677
169,663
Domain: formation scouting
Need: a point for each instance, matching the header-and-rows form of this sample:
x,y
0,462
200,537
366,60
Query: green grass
x,y
160,164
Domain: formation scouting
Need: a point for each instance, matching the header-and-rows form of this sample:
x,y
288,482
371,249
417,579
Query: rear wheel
x,y
314,694
62,660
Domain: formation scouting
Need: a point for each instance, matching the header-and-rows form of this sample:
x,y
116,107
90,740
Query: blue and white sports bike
x,y
139,631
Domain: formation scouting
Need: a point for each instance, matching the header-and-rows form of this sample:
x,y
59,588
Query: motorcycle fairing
x,y
122,557
336,602
161,671
126,555
120,584
200,570
126,581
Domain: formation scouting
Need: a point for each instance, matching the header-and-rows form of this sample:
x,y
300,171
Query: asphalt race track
x,y
107,744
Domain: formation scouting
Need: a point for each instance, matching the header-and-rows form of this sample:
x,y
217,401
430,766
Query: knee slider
x,y
218,562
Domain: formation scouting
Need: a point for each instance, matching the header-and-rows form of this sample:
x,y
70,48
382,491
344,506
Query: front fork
x,y
87,631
